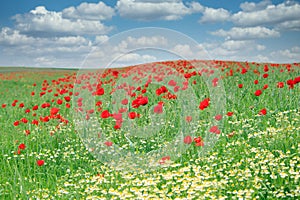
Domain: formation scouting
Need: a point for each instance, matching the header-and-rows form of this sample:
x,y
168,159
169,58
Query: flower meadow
x,y
165,130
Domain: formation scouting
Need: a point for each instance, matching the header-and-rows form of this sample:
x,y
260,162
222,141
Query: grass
x,y
254,157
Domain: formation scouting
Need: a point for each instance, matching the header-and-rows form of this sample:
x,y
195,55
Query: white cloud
x,y
271,15
19,49
156,10
100,38
89,11
48,23
233,45
147,41
251,6
45,61
248,33
212,15
293,25
13,37
189,52
136,58
260,47
236,50
287,55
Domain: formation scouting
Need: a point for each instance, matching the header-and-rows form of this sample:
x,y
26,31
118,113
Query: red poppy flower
x,y
143,101
172,83
35,122
35,107
67,98
240,85
139,101
98,103
213,129
59,101
188,118
132,115
204,104
164,89
124,101
105,114
108,143
44,119
244,70
3,105
255,82
297,80
117,116
265,75
199,144
258,93
164,159
280,84
176,88
188,139
266,68
218,117
99,91
54,111
197,139
158,109
40,162
263,111
27,132
265,86
24,120
22,146
215,82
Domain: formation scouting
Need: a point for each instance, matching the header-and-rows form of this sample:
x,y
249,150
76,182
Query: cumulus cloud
x,y
248,33
268,15
212,15
147,41
287,55
251,6
156,10
19,49
42,22
89,11
233,45
13,37
191,52
247,50
293,25
100,38
136,58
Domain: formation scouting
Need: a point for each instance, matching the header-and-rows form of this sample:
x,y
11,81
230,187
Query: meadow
x,y
219,130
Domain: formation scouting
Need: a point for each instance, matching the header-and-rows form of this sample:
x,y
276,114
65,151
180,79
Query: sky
x,y
76,33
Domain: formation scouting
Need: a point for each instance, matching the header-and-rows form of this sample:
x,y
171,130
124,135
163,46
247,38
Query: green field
x,y
256,156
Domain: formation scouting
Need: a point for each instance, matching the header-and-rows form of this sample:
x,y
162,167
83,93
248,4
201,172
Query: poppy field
x,y
166,130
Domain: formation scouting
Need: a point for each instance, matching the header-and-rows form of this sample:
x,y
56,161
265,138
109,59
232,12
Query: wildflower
x,y
204,104
40,162
22,146
105,114
258,93
187,139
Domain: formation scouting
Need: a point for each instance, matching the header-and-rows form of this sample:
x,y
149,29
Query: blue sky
x,y
56,33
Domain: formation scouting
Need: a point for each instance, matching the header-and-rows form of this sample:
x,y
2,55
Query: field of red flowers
x,y
166,130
